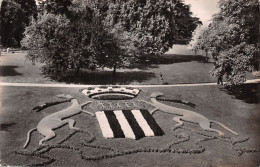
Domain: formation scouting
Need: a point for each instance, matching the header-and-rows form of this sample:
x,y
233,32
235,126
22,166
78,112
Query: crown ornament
x,y
110,92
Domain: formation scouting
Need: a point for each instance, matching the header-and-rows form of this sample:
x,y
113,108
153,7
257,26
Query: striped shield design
x,y
133,124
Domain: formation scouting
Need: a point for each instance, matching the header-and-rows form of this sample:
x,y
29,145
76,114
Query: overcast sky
x,y
204,9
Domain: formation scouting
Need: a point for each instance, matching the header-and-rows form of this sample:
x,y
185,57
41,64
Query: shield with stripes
x,y
133,124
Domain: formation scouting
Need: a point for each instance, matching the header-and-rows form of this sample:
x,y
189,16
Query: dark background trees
x,y
185,23
15,16
55,6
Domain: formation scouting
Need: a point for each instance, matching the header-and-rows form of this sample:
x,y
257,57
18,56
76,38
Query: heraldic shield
x,y
126,121
133,124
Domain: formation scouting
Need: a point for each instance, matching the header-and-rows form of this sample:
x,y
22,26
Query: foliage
x,y
152,27
144,27
45,41
63,44
15,16
184,22
99,34
55,6
107,49
233,37
196,35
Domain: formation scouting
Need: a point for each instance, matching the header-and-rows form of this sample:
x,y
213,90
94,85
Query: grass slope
x,y
175,69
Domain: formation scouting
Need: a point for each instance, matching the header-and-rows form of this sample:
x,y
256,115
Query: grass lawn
x,y
14,67
234,109
176,69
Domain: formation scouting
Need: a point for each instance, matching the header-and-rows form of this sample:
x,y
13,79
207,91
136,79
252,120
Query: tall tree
x,y
45,42
68,44
149,26
233,39
184,22
15,16
154,25
104,33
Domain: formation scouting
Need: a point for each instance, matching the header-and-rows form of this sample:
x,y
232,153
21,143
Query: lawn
x,y
236,109
14,67
176,69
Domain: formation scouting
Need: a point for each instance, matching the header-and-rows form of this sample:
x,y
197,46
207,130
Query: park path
x,y
140,86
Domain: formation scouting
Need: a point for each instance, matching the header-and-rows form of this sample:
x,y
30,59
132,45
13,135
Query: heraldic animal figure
x,y
58,119
185,115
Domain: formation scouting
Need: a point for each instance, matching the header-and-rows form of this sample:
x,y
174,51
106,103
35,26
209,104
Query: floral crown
x,y
104,91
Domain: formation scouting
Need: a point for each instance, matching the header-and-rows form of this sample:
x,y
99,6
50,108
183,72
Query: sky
x,y
203,9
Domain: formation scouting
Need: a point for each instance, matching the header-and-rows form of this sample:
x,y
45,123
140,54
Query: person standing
x,y
161,78
220,77
220,80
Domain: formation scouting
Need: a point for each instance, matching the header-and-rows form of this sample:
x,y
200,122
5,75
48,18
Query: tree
x,y
233,39
196,35
45,43
79,38
148,27
99,33
154,26
64,44
185,23
15,16
103,46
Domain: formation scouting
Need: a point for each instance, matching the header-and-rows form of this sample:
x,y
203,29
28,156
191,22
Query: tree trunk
x,y
206,58
114,70
77,71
